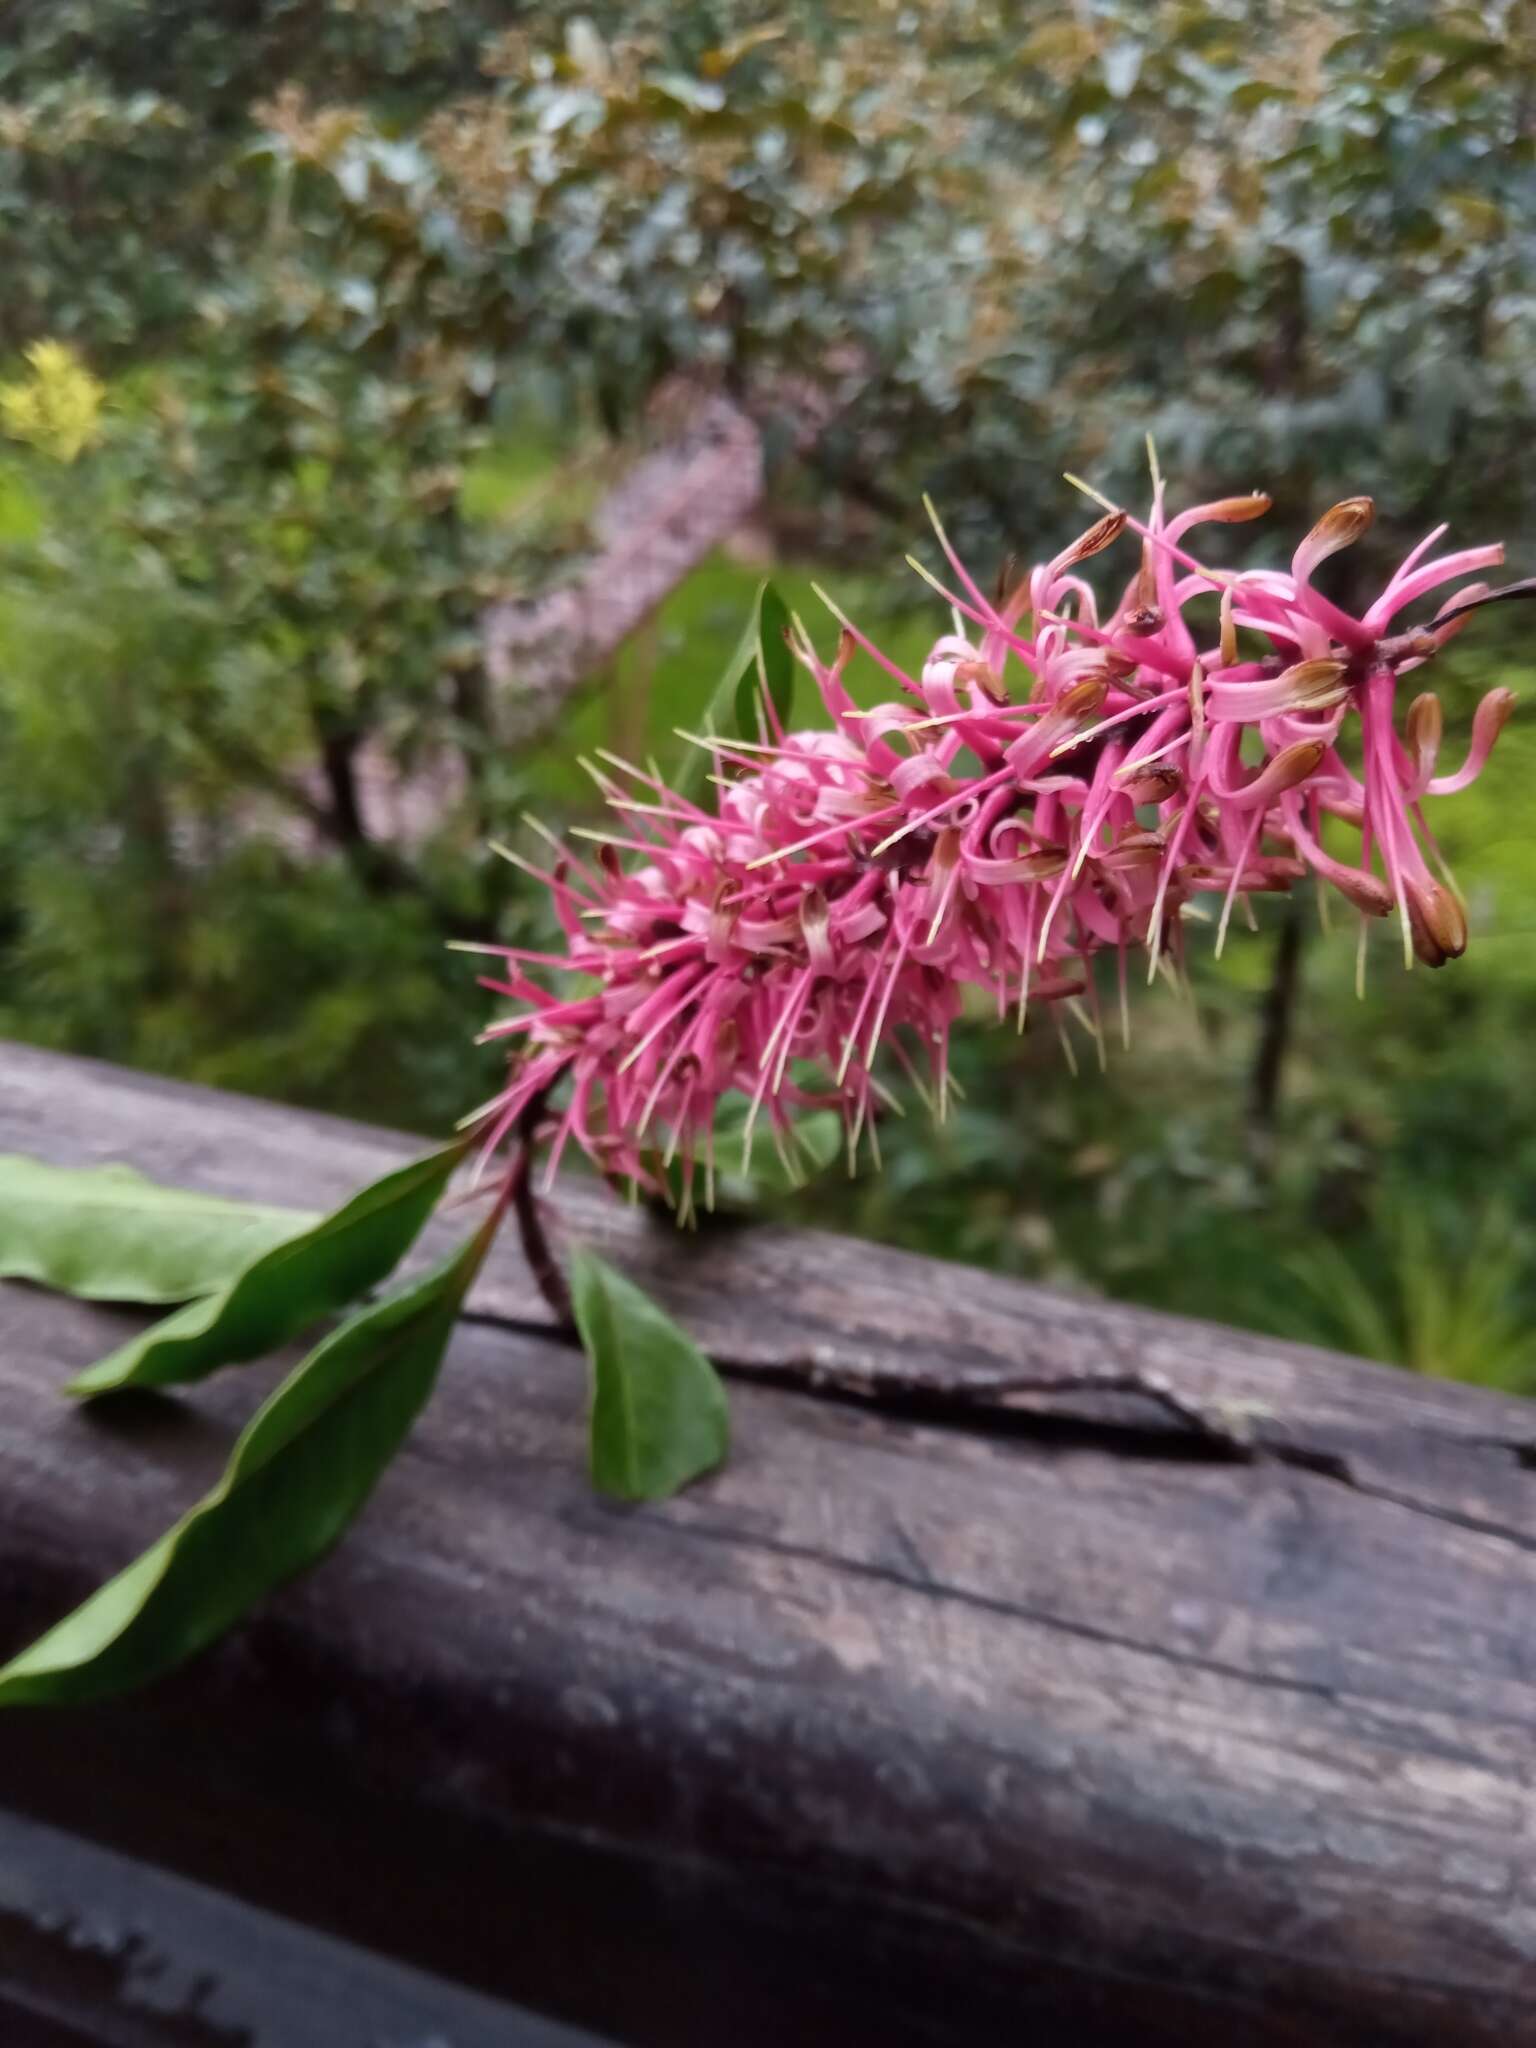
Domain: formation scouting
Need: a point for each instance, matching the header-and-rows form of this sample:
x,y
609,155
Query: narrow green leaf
x,y
762,660
298,1475
772,668
106,1233
658,1408
287,1288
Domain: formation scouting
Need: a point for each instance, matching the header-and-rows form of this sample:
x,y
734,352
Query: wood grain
x,y
1037,1723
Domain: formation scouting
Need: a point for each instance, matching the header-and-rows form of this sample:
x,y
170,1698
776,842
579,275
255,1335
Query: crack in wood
x,y
979,1405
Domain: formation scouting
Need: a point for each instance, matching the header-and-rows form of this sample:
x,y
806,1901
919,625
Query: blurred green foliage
x,y
381,295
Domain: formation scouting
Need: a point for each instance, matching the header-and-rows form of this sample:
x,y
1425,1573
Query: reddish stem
x,y
529,1211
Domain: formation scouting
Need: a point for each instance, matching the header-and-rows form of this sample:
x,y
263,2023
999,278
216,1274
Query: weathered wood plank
x,y
98,1948
899,1730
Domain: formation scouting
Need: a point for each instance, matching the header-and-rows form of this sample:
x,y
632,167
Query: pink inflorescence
x,y
1056,784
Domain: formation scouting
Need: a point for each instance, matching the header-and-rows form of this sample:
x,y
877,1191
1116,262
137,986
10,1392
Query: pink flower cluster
x,y
1057,783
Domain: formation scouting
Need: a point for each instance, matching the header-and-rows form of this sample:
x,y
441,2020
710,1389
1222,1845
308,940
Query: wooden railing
x,y
1024,1721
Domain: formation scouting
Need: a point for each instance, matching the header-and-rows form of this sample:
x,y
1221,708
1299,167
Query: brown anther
x,y
1424,728
1492,715
1039,867
721,920
1436,923
1085,698
1292,765
1146,618
1153,785
1197,704
1094,541
1145,586
1340,527
815,923
1315,685
1135,850
1238,511
946,849
1228,629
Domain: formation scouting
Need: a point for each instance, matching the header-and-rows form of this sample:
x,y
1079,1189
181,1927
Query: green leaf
x,y
106,1233
286,1289
658,1408
298,1475
762,661
814,1143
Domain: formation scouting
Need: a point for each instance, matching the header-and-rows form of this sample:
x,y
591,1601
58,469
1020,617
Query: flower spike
x,y
1022,806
